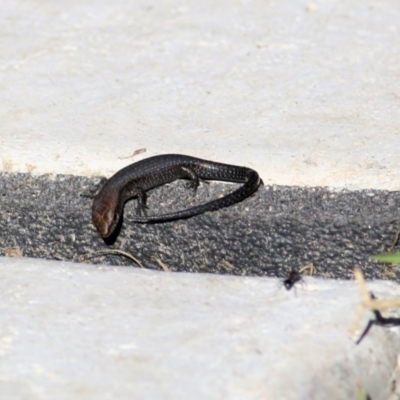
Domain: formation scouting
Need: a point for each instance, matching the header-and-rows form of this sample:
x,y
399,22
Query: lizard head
x,y
105,214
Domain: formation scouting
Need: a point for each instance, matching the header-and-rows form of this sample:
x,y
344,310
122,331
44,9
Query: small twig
x,y
395,240
379,320
12,251
228,265
309,267
135,153
161,263
369,302
112,251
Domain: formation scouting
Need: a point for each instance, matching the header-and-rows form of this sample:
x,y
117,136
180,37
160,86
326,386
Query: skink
x,y
137,178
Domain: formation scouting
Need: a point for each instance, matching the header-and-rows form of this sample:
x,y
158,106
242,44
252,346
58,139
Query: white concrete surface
x,y
305,93
74,331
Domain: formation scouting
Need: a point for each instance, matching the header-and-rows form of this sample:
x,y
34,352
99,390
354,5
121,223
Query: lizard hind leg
x,y
141,203
194,180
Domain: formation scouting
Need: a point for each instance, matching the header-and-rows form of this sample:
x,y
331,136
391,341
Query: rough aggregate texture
x,y
276,230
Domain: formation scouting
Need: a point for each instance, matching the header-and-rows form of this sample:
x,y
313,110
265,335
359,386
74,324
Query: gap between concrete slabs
x,y
276,230
177,335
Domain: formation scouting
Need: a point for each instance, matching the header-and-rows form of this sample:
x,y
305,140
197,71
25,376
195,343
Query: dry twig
x,y
112,251
368,303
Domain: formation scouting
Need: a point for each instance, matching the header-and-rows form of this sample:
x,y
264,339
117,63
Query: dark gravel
x,y
276,230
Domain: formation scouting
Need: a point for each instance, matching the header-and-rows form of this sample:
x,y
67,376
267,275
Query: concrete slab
x,y
84,332
305,93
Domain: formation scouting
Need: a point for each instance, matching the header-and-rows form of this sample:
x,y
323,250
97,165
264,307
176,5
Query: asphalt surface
x,y
277,230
